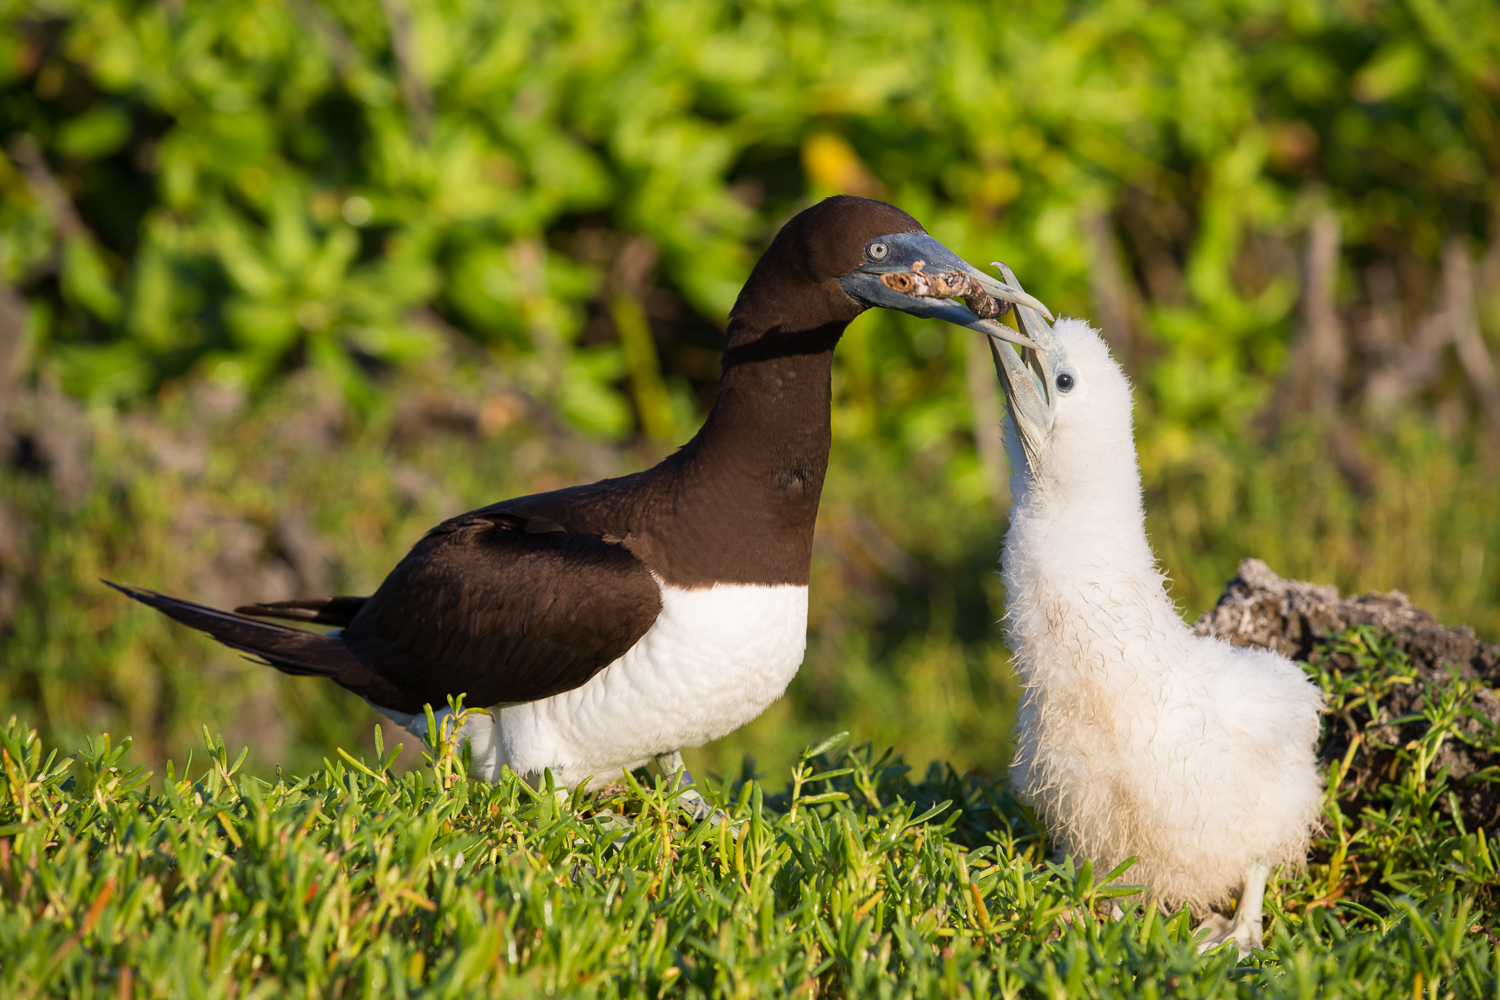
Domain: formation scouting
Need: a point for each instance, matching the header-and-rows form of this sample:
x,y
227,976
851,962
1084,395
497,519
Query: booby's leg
x,y
1245,928
481,729
692,800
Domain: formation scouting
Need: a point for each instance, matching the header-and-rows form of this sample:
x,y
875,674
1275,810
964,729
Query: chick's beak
x,y
1029,375
900,251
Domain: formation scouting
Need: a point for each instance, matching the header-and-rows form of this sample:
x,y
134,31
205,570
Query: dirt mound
x,y
1418,662
1259,608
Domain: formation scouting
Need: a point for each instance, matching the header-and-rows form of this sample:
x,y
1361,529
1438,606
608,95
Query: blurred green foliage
x,y
548,209
235,186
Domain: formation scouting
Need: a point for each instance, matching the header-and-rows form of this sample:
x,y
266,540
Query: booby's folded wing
x,y
575,510
488,605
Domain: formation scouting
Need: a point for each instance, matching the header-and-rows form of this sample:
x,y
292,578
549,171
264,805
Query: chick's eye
x,y
878,251
1064,382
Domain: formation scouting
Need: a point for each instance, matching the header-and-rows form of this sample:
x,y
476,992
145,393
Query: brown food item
x,y
949,285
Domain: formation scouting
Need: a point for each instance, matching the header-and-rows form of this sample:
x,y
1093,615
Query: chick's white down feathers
x,y
1135,736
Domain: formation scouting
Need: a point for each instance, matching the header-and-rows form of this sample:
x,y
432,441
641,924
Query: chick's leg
x,y
1245,929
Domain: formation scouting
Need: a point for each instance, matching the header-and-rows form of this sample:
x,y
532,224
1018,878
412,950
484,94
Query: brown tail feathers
x,y
290,650
337,611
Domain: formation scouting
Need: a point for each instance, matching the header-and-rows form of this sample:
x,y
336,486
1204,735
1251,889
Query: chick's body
x,y
1135,736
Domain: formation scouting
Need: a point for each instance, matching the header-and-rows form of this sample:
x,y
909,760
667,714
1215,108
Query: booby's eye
x,y
1064,382
878,251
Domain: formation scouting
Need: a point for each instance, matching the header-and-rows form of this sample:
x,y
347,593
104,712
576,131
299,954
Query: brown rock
x,y
1259,608
1423,661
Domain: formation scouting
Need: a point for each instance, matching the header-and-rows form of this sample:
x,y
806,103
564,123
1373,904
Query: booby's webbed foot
x,y
611,822
1245,928
691,800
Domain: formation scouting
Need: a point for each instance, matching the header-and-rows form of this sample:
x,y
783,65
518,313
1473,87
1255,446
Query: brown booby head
x,y
824,268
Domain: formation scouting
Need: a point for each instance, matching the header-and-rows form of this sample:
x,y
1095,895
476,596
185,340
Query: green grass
x,y
856,880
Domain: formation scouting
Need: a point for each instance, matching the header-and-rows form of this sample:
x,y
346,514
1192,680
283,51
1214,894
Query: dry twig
x,y
1463,327
1113,292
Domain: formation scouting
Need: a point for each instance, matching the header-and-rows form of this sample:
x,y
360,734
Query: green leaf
x,y
97,133
87,281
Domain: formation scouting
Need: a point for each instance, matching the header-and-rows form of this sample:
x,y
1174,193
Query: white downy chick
x,y
1136,737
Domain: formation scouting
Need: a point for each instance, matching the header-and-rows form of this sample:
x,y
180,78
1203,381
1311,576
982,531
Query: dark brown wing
x,y
606,509
484,607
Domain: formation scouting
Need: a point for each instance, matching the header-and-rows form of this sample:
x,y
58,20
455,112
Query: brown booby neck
x,y
738,502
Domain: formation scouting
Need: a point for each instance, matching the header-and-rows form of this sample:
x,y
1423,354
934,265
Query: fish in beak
x,y
884,280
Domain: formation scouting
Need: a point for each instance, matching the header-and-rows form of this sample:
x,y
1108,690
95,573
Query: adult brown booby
x,y
617,622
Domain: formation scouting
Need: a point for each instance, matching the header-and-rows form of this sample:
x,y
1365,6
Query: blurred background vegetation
x,y
285,282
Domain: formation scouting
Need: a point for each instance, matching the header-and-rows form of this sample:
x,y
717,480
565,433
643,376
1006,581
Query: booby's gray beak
x,y
1033,377
898,252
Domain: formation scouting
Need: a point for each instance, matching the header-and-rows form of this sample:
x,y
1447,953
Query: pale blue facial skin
x,y
898,252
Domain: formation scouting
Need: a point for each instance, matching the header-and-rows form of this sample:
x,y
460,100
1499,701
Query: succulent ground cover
x,y
859,878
